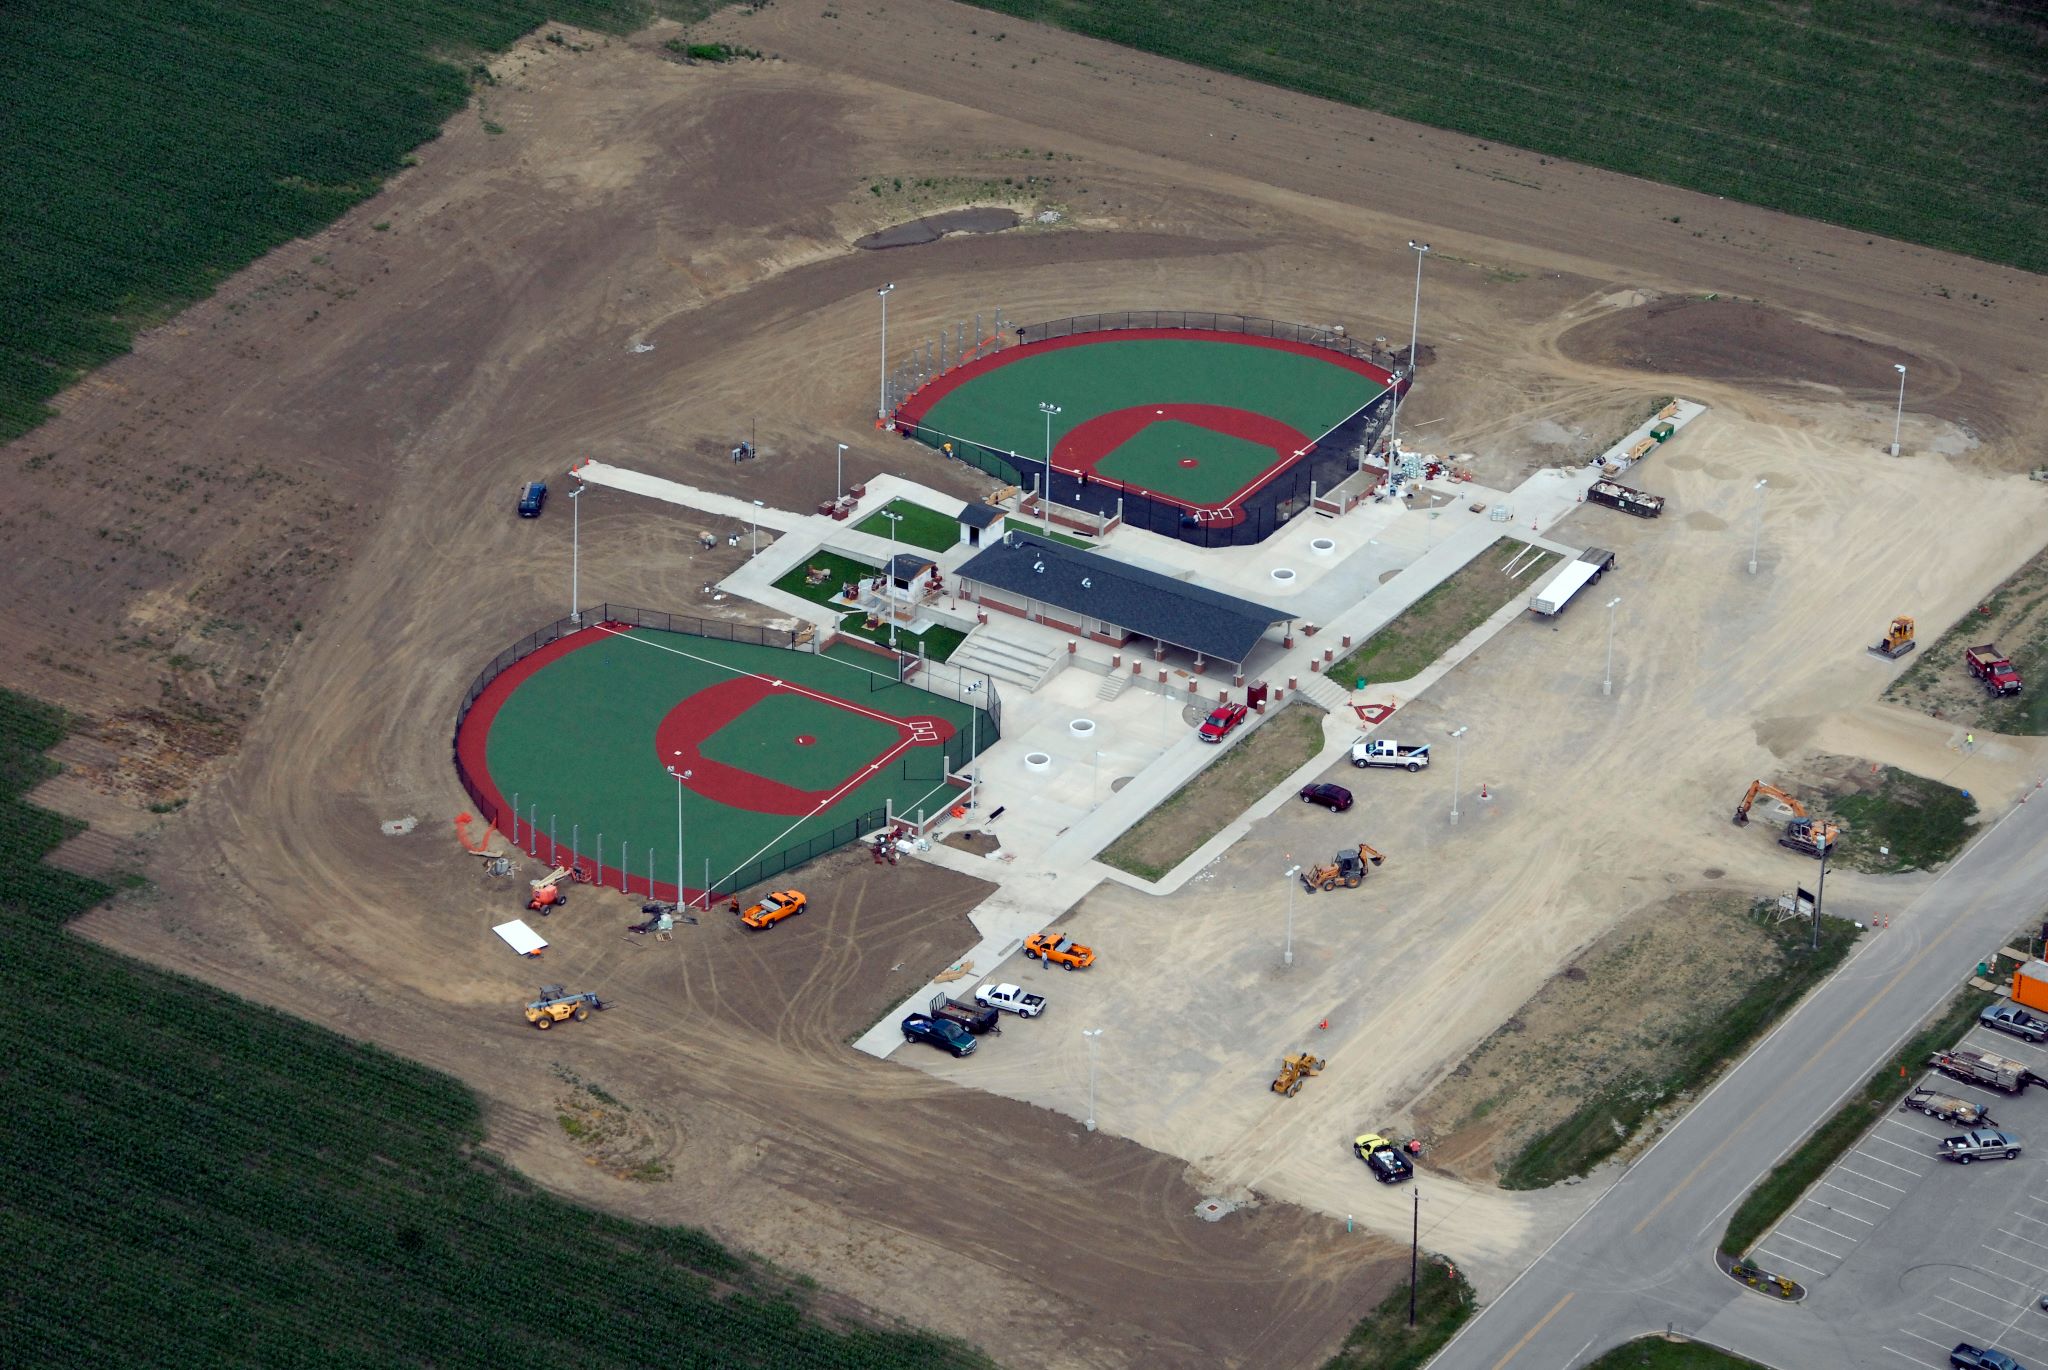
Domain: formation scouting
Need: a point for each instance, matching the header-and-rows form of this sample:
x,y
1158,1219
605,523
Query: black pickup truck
x,y
940,1032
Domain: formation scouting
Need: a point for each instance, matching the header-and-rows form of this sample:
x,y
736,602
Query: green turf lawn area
x,y
153,150
842,571
197,1181
999,408
764,740
578,740
916,526
1655,1353
1909,120
1037,530
1151,459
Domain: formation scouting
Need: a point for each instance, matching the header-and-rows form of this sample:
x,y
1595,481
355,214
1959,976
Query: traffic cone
x,y
1324,1025
1482,790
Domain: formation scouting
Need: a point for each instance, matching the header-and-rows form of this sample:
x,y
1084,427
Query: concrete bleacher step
x,y
1005,660
1112,685
1322,690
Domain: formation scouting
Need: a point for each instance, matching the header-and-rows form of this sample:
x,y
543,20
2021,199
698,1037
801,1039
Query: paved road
x,y
1641,1259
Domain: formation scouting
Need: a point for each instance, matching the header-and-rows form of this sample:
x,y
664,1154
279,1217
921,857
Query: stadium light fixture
x,y
1899,415
882,395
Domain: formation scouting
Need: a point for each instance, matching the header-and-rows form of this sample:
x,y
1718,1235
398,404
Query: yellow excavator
x,y
1346,868
1897,640
1802,834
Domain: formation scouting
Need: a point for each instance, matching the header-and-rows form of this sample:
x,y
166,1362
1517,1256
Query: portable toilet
x,y
2030,985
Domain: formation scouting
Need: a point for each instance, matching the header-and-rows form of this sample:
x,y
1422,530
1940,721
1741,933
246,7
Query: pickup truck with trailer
x,y
1947,1107
1989,665
1979,1144
1983,1068
1381,752
976,1018
2016,1020
1591,564
1628,501
1011,999
945,1035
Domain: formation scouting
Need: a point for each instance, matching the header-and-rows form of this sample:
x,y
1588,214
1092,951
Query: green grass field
x,y
999,409
192,1180
1152,457
1915,121
578,740
914,525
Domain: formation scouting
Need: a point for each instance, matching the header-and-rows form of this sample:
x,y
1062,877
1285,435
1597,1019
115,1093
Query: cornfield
x,y
1927,122
189,1179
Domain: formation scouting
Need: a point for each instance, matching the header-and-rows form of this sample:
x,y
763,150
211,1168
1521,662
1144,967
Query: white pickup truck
x,y
1380,752
1011,999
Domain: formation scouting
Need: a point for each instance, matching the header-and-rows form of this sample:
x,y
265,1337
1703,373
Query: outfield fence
x,y
559,839
1246,519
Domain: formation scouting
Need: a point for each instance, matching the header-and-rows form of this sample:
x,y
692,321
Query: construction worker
x,y
733,905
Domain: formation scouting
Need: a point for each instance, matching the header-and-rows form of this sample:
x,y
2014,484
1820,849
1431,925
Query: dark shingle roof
x,y
980,515
910,565
1201,620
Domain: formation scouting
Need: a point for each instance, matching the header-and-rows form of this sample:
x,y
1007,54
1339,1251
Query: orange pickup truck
x,y
1056,950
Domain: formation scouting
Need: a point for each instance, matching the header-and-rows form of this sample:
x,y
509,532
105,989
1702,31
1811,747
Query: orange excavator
x,y
1802,834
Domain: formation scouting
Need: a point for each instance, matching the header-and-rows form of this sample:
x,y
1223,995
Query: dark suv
x,y
1335,798
532,498
940,1032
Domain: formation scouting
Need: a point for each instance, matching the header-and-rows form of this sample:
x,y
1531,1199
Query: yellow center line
x,y
1515,1350
1789,1080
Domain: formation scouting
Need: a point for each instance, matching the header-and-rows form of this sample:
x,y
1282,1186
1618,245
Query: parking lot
x,y
1904,1254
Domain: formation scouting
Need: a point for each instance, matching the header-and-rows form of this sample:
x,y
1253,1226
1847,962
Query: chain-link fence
x,y
560,841
1334,338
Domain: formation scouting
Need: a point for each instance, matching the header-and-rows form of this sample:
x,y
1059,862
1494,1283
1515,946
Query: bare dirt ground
x,y
1616,1013
265,554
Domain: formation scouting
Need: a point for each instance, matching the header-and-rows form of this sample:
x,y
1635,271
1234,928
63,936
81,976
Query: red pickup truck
x,y
1990,666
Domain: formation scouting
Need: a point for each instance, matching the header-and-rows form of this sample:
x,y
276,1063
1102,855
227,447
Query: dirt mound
x,y
1735,340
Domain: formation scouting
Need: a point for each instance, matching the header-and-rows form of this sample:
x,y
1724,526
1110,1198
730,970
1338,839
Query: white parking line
x,y
1963,1332
1872,1178
1994,1251
1916,1174
1796,1218
1973,1312
2028,1240
1948,1086
1864,1198
1917,1151
1996,1042
1896,1352
1996,1276
1929,1340
1781,1233
1787,1260
1919,1131
1842,1213
2027,1219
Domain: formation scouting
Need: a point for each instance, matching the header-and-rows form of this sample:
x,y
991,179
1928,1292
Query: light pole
x,y
1420,250
758,504
1820,890
1457,756
1091,1034
889,576
882,395
839,474
1757,537
1607,685
1045,491
1287,953
1899,416
576,555
680,776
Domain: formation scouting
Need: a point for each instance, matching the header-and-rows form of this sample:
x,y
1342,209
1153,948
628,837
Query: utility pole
x,y
1414,1254
1420,250
1091,1034
576,555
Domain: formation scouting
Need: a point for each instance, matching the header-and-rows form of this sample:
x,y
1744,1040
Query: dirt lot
x,y
265,554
